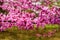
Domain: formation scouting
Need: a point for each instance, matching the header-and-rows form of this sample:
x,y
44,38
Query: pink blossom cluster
x,y
18,14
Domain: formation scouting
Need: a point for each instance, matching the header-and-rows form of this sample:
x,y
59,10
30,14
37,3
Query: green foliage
x,y
52,26
15,34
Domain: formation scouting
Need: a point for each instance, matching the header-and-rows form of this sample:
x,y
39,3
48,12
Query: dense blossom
x,y
26,13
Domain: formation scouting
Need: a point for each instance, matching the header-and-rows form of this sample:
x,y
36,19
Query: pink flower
x,y
38,35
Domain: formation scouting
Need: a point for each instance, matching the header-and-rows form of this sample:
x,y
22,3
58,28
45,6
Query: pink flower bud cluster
x,y
18,15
